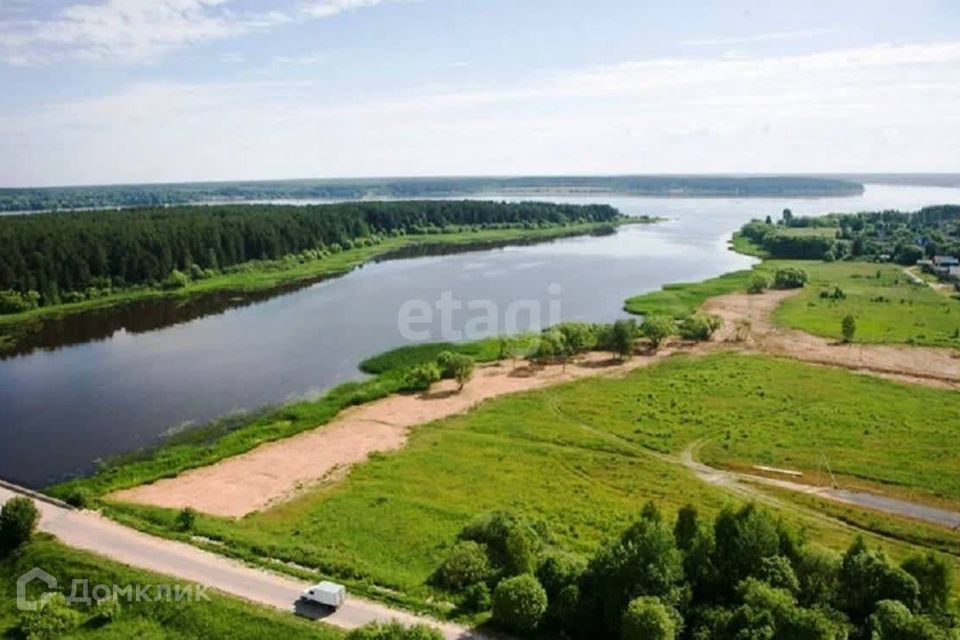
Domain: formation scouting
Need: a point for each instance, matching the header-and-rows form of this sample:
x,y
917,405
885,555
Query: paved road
x,y
92,532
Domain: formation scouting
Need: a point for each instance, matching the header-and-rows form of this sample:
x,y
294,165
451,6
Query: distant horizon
x,y
841,175
100,92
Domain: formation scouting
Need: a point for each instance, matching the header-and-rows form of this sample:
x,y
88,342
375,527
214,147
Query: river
x,y
109,383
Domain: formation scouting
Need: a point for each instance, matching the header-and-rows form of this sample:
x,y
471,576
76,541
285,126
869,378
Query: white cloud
x,y
763,37
873,108
304,60
136,31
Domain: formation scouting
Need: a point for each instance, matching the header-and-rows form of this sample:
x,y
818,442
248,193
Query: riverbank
x,y
262,277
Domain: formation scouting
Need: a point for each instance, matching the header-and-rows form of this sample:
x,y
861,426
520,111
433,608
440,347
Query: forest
x,y
53,257
903,237
56,198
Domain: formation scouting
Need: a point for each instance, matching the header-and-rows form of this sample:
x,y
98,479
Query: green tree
x,y
519,603
686,527
935,577
18,520
743,539
647,618
512,542
892,620
848,327
619,338
466,564
656,329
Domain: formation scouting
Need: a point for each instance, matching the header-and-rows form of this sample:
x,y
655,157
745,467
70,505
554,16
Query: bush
x,y
17,302
456,366
18,520
558,570
176,280
699,327
512,542
519,603
789,278
80,498
465,565
656,329
52,620
186,519
648,619
107,609
394,631
848,327
758,284
420,377
935,576
476,597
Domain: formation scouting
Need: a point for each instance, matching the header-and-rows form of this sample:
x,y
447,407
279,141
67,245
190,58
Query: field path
x,y
740,483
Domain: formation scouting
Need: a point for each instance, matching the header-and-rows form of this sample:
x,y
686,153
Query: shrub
x,y
519,603
80,498
420,377
476,597
648,619
656,329
699,327
456,366
52,620
512,542
848,327
16,302
186,519
176,280
18,520
789,278
777,572
394,631
465,565
107,609
758,284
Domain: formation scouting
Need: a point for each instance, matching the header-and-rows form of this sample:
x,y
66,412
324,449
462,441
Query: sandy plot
x,y
925,365
277,471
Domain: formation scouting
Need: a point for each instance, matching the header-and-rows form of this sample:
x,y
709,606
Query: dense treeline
x,y
903,237
51,198
46,257
744,575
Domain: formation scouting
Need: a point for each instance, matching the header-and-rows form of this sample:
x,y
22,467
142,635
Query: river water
x,y
101,384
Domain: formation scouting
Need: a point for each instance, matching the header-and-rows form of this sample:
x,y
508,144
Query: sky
x,y
126,91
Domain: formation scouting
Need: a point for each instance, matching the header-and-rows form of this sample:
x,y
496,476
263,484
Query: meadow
x,y
584,457
220,618
888,305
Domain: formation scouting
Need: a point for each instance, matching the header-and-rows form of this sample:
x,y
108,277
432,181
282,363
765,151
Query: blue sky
x,y
113,91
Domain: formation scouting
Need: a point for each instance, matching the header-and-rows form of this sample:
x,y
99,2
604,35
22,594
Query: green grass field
x,y
889,307
222,618
578,458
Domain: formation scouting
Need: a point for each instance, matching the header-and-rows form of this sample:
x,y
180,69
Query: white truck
x,y
329,594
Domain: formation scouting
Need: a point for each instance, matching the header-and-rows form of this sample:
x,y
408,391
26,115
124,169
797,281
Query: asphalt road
x,y
90,531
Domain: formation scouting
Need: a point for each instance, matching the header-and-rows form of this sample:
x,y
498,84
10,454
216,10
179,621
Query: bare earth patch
x,y
280,470
924,365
